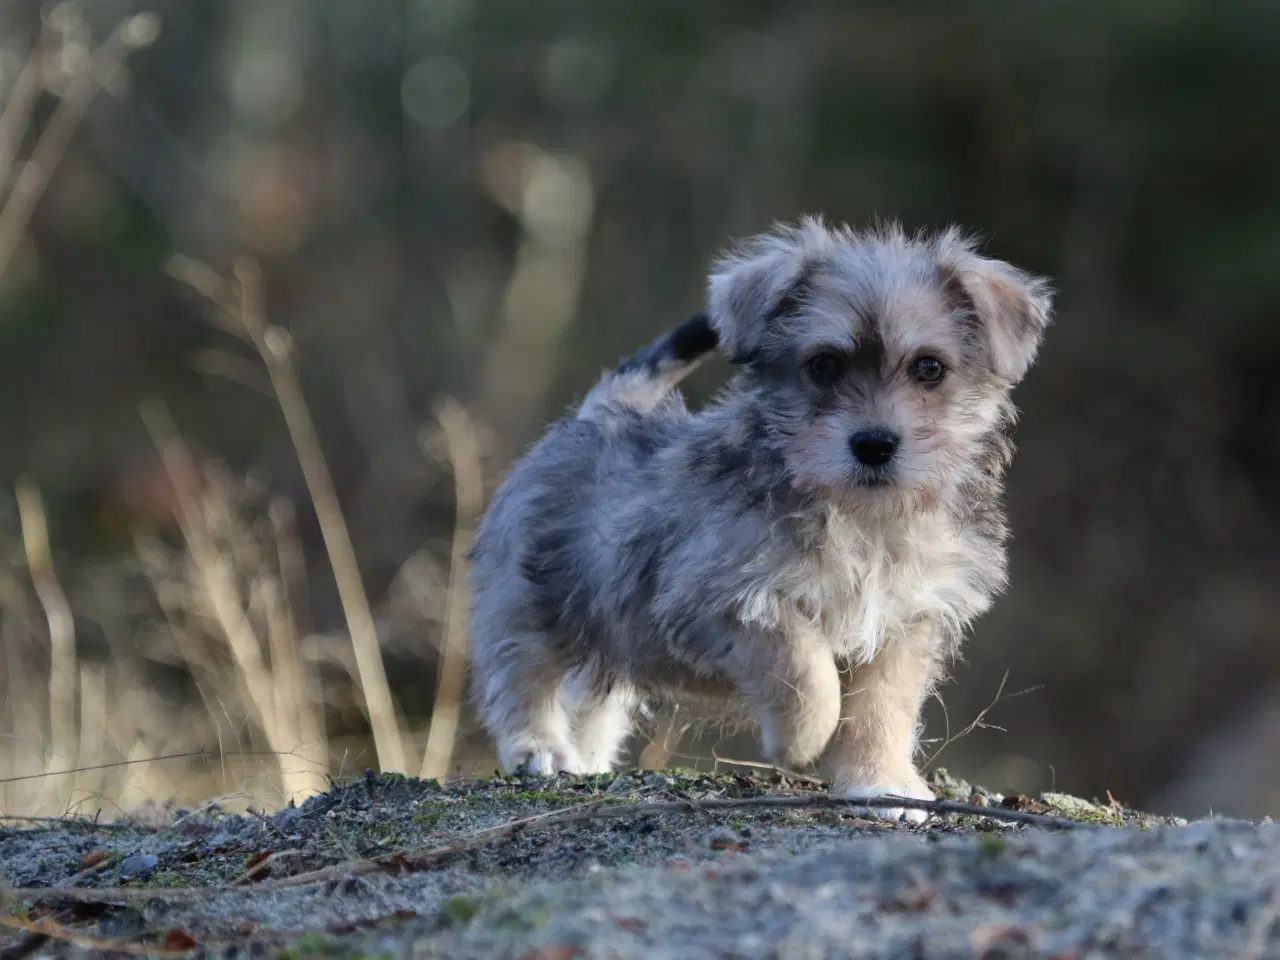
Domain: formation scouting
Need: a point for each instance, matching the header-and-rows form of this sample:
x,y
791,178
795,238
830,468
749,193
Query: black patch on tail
x,y
693,338
684,344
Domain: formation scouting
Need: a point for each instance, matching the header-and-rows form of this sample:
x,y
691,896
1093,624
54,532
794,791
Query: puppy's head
x,y
882,363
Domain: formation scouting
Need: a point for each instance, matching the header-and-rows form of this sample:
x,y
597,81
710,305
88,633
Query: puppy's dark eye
x,y
826,368
928,369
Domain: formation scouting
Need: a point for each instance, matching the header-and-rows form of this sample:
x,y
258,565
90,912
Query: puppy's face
x,y
881,362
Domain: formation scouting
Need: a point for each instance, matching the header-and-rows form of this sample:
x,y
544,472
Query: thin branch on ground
x,y
426,857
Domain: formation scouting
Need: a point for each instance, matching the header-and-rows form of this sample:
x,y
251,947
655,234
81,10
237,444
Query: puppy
x,y
808,549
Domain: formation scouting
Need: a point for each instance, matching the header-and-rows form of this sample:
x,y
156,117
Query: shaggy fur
x,y
809,548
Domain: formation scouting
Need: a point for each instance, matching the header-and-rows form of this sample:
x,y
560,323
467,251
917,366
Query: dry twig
x,y
979,722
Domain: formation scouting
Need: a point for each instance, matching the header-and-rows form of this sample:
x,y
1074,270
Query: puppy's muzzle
x,y
874,448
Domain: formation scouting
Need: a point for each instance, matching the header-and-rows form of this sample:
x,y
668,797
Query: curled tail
x,y
641,381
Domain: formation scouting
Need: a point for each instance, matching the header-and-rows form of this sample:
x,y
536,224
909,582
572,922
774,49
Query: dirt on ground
x,y
677,864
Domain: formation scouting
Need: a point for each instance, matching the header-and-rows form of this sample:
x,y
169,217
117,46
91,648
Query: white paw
x,y
915,788
541,759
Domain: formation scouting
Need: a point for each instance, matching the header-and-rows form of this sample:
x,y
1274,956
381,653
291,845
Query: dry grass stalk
x,y
462,446
298,690
16,117
97,71
273,692
242,300
62,635
93,729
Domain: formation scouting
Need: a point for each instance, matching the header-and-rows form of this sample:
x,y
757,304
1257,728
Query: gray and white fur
x,y
808,550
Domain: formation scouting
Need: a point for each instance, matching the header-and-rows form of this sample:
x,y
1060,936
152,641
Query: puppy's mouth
x,y
874,478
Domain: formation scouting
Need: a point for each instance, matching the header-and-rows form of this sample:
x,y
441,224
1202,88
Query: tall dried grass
x,y
77,730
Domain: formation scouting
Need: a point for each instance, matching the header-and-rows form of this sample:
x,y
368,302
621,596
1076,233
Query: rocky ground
x,y
641,865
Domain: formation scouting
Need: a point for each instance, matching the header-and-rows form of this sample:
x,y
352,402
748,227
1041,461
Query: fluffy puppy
x,y
808,550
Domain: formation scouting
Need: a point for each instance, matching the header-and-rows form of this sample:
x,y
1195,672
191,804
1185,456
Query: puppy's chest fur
x,y
862,581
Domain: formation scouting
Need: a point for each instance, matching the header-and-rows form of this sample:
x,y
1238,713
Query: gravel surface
x,y
610,883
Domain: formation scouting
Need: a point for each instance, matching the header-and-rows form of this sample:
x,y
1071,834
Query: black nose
x,y
874,448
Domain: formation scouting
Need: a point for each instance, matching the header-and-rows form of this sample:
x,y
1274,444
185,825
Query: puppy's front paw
x,y
541,759
913,786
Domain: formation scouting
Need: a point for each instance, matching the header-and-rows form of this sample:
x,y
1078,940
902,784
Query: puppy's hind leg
x,y
522,702
603,717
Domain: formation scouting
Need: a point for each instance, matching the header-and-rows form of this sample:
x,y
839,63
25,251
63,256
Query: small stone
x,y
621,784
657,780
139,865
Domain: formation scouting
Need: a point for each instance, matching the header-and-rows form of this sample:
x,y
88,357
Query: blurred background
x,y
236,488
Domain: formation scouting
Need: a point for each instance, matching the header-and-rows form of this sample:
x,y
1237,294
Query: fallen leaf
x,y
1024,804
93,858
253,866
396,863
179,940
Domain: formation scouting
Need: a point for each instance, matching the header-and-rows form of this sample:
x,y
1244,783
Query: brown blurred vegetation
x,y
491,200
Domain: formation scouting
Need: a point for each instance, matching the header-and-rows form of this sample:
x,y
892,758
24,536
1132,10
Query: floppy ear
x,y
759,282
1012,306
